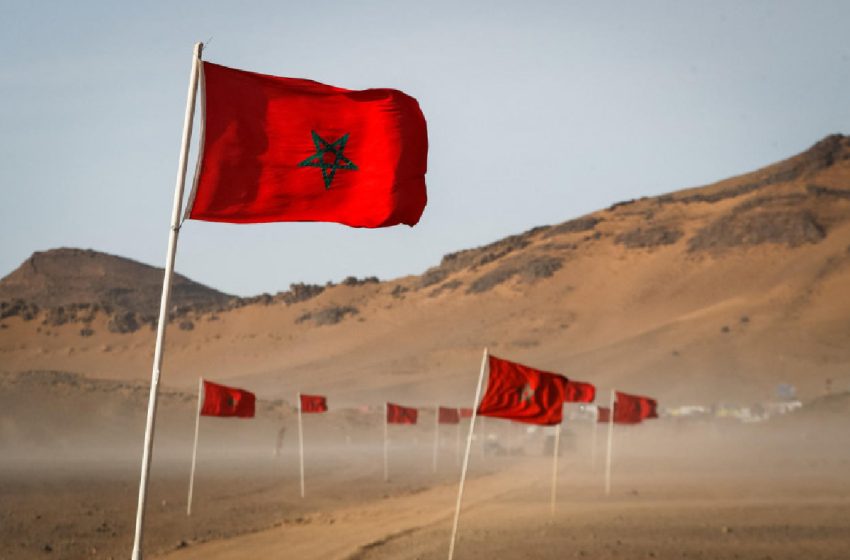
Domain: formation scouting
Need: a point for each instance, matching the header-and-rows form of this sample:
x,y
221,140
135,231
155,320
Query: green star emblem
x,y
329,157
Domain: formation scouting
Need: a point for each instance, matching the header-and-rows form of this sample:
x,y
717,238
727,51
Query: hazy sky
x,y
537,112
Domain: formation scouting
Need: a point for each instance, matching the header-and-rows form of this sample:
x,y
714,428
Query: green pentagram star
x,y
329,157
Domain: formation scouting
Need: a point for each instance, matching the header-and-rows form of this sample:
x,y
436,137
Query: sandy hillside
x,y
709,294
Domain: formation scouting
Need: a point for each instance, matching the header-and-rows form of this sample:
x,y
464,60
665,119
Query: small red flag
x,y
603,414
465,412
314,403
524,394
397,414
292,150
578,391
448,416
631,409
221,400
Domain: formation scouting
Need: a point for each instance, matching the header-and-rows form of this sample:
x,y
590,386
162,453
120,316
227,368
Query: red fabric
x,y
313,403
448,416
524,394
604,414
397,414
578,391
465,412
221,400
258,139
631,409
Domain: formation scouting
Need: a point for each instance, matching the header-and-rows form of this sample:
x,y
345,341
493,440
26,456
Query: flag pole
x,y
593,440
166,293
195,447
610,445
436,436
301,445
555,470
386,445
457,442
466,455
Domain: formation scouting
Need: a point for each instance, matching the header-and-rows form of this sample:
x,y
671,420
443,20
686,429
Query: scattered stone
x,y
654,236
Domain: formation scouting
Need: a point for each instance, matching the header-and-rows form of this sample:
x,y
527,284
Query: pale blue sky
x,y
537,112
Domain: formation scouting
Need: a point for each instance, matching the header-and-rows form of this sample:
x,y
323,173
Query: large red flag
x,y
448,415
631,409
314,403
524,394
293,150
221,400
578,391
397,414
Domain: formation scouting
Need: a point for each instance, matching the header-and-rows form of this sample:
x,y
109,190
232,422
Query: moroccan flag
x,y
465,412
603,414
397,414
314,403
221,400
524,394
448,416
631,409
578,391
293,150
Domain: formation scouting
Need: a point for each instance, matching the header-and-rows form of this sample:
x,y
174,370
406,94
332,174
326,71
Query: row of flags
x,y
514,392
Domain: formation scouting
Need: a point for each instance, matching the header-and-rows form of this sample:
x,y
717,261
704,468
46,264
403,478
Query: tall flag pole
x,y
610,444
195,446
466,455
163,307
300,445
555,455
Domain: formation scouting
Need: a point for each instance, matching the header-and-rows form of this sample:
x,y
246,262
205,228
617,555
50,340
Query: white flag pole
x,y
457,441
436,436
610,445
466,455
166,293
386,444
195,447
593,440
555,470
301,445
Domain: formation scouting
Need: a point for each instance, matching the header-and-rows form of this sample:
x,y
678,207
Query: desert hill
x,y
708,294
72,285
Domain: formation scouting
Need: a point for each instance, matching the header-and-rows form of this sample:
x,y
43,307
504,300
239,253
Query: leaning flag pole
x,y
555,470
466,455
610,444
166,293
301,445
195,447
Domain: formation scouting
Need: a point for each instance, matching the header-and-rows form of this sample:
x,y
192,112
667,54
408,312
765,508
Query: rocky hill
x,y
711,293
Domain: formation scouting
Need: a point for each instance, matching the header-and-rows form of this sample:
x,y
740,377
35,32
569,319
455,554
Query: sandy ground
x,y
679,491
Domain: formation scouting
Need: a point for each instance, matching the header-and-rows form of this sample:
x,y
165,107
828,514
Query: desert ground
x,y
680,488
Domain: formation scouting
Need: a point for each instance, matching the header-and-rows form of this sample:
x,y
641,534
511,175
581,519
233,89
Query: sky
x,y
537,112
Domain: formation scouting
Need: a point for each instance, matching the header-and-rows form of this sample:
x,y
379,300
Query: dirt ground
x,y
695,491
